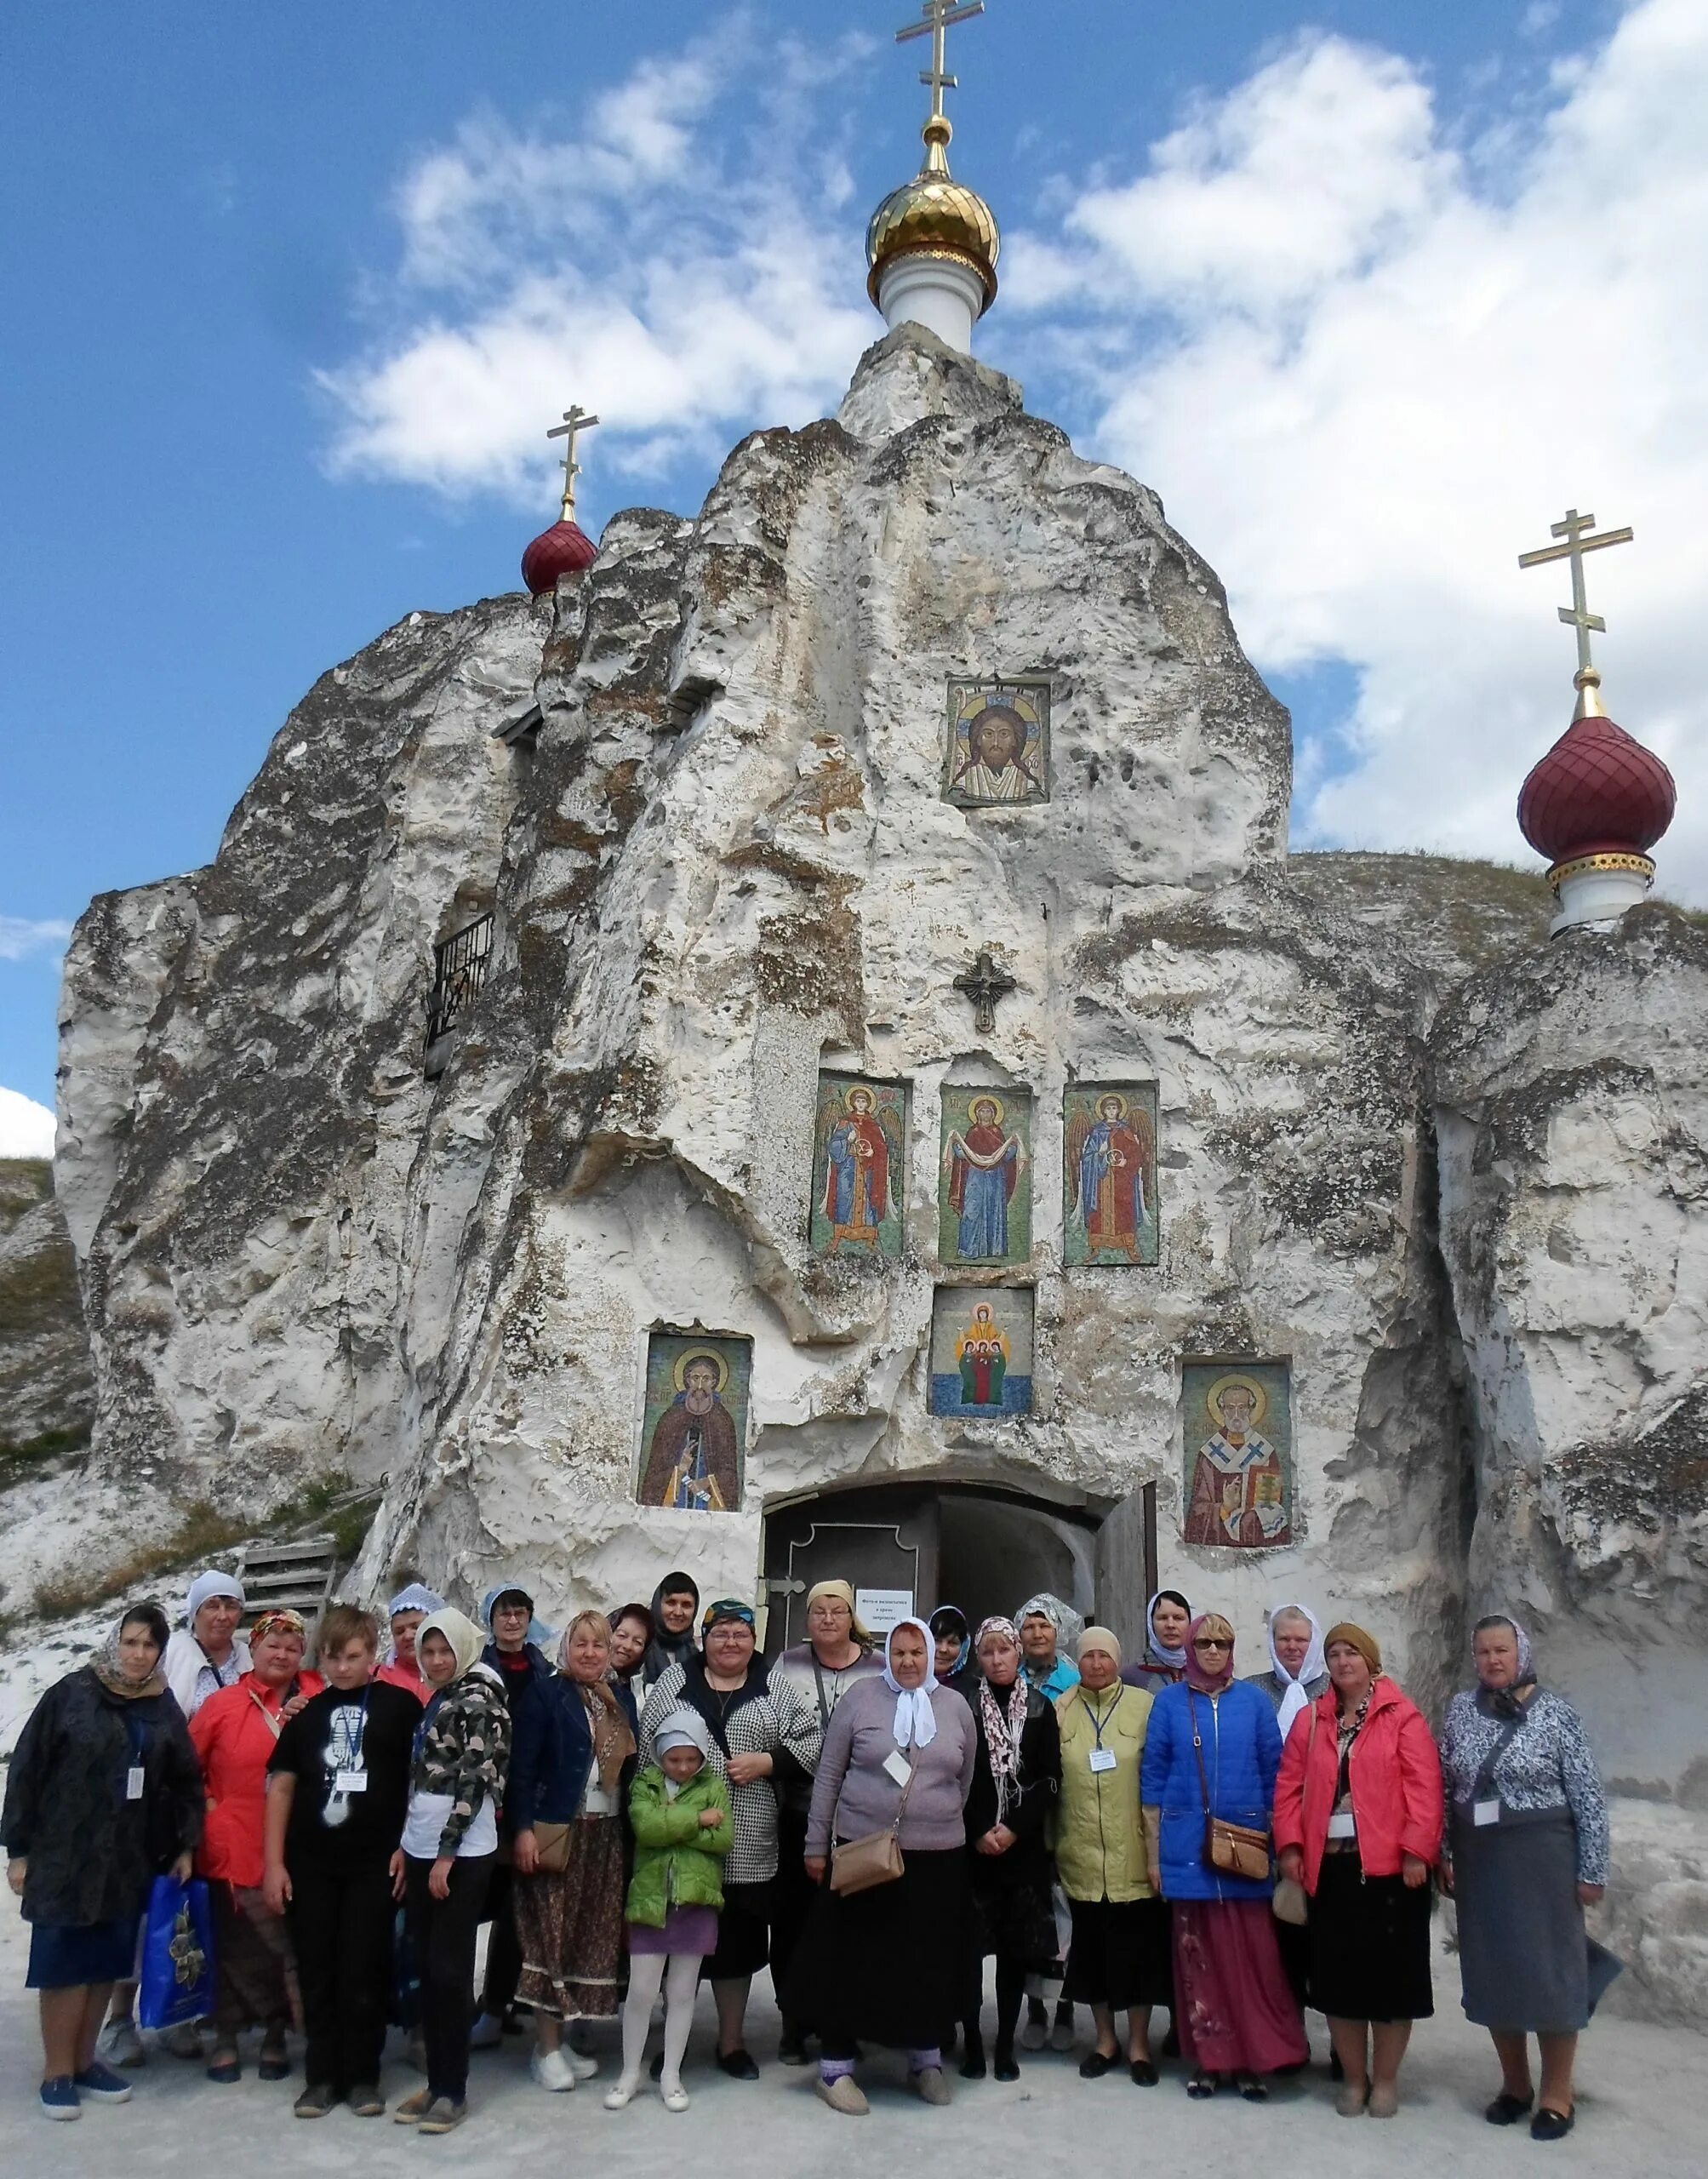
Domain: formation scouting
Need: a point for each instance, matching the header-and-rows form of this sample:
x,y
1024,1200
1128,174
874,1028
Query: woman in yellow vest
x,y
1118,1961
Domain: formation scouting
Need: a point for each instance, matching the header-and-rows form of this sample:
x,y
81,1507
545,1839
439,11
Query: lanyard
x,y
355,1762
421,1730
275,1718
1097,1723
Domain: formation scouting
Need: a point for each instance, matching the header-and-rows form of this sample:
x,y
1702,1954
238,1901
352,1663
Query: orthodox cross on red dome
x,y
576,420
938,15
1575,531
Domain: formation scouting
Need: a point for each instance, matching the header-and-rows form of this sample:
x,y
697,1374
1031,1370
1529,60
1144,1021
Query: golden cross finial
x,y
575,421
938,15
1575,531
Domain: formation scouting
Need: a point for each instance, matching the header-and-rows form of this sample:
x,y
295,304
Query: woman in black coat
x,y
1017,1770
104,1793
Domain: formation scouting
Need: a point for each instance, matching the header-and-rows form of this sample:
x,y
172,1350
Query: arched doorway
x,y
909,1547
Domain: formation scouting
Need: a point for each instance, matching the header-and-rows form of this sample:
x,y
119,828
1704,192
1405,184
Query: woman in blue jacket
x,y
1213,1747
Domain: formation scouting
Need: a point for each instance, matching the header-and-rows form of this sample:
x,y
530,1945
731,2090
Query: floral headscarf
x,y
1004,1722
1502,1702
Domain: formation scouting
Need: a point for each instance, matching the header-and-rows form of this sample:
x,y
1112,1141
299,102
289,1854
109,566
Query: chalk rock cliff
x,y
721,861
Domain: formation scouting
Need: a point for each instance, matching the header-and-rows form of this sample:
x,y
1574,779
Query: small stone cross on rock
x,y
984,983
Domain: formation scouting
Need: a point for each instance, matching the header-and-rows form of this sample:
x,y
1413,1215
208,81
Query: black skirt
x,y
744,1933
886,1966
1369,1945
1015,1920
1120,1954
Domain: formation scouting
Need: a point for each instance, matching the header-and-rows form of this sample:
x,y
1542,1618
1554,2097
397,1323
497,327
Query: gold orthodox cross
x,y
984,983
1575,529
575,421
938,15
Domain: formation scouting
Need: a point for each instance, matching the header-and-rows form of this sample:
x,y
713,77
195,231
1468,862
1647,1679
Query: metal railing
x,y
458,973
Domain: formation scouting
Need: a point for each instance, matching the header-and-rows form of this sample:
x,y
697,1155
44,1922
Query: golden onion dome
x,y
934,215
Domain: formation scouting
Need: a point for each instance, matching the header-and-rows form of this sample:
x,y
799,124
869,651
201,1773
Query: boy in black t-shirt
x,y
338,1787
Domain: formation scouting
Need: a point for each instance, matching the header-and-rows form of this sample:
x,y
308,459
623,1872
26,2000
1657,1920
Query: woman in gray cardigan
x,y
887,1965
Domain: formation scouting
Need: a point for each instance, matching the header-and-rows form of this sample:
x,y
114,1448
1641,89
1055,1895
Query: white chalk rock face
x,y
724,861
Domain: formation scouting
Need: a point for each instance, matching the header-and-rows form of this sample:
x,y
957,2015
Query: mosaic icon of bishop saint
x,y
692,1465
1238,1495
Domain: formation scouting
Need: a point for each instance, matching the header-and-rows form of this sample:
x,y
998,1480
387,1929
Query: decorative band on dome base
x,y
1581,866
943,256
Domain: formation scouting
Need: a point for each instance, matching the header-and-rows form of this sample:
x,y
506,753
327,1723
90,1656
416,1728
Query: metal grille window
x,y
459,972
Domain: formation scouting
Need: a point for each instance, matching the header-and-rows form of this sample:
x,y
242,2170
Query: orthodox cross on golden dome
x,y
576,420
1575,531
938,15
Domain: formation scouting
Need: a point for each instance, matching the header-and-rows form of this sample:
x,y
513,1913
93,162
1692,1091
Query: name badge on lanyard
x,y
898,1767
1345,1825
132,1783
351,1782
1483,1812
1103,1759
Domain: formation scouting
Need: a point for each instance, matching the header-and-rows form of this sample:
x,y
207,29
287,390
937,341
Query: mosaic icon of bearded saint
x,y
857,1171
692,1464
996,768
1109,1159
983,1166
981,1353
1238,1497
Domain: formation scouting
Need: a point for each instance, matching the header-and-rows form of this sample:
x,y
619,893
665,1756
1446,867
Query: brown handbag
x,y
1232,1848
862,1864
551,1847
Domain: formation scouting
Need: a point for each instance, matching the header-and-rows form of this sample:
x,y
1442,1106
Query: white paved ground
x,y
1642,2114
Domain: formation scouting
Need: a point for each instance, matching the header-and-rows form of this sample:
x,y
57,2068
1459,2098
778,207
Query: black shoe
x,y
1006,2067
791,2050
1202,2086
366,2101
1144,2073
513,2023
1095,2063
274,2065
1507,2110
1254,2089
738,2065
1552,2125
973,2058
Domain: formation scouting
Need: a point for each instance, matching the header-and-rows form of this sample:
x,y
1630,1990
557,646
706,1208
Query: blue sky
x,y
301,287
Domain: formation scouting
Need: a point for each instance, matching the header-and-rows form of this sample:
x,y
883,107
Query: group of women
x,y
651,1804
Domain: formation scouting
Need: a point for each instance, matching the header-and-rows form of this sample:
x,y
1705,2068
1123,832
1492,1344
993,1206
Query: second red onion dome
x,y
1596,792
565,549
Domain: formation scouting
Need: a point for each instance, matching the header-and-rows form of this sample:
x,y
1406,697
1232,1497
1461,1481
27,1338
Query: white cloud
x,y
1385,364
21,936
27,1128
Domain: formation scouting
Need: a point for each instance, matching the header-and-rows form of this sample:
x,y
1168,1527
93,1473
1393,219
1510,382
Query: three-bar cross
x,y
938,15
1575,529
575,421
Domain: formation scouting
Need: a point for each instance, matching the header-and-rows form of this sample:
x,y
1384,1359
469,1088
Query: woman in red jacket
x,y
235,1733
1358,1822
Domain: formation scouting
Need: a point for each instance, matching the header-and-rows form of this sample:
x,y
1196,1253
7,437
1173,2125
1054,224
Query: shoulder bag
x,y
1231,1849
862,1864
1288,1902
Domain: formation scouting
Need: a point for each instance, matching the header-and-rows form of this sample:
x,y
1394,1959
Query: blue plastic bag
x,y
177,1980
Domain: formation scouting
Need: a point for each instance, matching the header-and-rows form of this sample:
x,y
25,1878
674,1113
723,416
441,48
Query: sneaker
x,y
844,2094
102,2084
414,2109
582,2063
487,2034
554,2072
675,2096
316,2101
622,2092
366,2101
445,2116
59,2098
929,2085
120,2043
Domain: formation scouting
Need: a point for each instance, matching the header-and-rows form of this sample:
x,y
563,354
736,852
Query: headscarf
x,y
953,1624
278,1619
916,1721
1295,1699
682,1729
1208,1622
1003,1721
1154,1647
416,1597
666,1649
1368,1648
1098,1638
109,1667
1502,1702
844,1594
725,1611
456,1627
212,1583
1062,1616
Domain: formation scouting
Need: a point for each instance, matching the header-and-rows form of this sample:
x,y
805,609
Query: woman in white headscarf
x,y
1298,1673
887,1965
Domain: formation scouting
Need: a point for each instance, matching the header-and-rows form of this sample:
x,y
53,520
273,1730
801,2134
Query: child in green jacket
x,y
679,1813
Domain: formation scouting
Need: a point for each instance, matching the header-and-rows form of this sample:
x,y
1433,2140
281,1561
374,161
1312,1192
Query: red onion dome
x,y
1596,792
565,549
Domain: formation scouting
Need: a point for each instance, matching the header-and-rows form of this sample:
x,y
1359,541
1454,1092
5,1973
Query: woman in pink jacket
x,y
1358,1822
